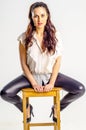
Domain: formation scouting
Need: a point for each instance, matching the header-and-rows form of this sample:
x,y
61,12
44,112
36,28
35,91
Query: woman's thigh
x,y
16,85
67,83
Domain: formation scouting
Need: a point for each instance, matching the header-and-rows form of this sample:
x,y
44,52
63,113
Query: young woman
x,y
40,51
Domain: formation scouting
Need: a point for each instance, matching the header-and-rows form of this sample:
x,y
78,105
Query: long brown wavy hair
x,y
49,38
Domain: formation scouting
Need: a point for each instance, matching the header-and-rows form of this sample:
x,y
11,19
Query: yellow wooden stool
x,y
28,92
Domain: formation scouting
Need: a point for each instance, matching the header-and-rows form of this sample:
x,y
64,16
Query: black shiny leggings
x,y
74,88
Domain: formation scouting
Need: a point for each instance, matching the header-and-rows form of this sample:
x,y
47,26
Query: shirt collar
x,y
37,42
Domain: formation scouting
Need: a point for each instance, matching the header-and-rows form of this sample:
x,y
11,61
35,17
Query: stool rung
x,y
41,124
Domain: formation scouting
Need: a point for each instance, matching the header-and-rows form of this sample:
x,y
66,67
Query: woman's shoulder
x,y
21,37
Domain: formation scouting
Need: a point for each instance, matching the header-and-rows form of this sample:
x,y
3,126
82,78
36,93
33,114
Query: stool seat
x,y
29,92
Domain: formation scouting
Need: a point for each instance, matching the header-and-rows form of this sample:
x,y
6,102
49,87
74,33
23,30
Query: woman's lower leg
x,y
74,89
9,92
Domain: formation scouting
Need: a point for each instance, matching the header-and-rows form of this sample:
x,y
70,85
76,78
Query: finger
x,y
45,90
41,89
36,90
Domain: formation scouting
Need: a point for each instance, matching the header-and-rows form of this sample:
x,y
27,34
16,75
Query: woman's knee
x,y
81,89
3,94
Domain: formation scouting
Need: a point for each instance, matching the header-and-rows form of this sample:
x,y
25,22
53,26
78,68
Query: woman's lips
x,y
39,24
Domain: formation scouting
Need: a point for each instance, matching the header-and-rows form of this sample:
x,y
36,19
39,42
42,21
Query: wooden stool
x,y
28,92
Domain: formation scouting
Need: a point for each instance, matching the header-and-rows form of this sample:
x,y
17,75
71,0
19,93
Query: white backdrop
x,y
69,17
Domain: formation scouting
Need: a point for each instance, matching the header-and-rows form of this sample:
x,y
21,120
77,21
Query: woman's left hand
x,y
48,87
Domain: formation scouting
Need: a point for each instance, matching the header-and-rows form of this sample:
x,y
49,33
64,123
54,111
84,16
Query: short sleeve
x,y
59,46
21,38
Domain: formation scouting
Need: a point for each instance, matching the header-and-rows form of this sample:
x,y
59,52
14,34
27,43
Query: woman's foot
x,y
54,113
29,112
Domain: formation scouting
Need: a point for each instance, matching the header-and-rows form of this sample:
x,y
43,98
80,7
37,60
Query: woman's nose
x,y
39,19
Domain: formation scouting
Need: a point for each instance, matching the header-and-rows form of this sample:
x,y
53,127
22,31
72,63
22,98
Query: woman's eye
x,y
35,16
42,15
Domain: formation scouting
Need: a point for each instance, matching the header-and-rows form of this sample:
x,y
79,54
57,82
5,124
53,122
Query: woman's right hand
x,y
38,88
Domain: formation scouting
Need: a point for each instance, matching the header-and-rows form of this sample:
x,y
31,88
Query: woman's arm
x,y
55,70
25,68
54,74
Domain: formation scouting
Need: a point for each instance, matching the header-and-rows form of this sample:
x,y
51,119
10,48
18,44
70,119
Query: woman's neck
x,y
40,32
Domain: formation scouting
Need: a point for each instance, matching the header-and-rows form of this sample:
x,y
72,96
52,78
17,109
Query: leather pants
x,y
74,90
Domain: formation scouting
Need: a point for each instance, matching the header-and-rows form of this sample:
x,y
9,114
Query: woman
x,y
40,55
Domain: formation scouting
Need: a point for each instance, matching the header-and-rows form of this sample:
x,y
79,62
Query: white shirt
x,y
41,63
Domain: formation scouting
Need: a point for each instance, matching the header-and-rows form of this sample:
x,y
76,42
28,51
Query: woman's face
x,y
39,16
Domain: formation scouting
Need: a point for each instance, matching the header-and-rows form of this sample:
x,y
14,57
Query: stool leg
x,y
24,112
58,109
54,102
28,123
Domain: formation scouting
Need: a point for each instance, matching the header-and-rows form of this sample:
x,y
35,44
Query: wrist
x,y
34,84
51,83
